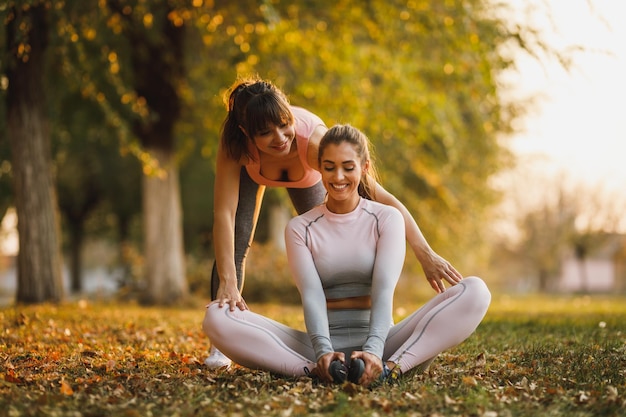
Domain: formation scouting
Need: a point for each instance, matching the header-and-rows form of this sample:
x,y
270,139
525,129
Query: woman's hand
x,y
438,269
373,367
323,363
229,294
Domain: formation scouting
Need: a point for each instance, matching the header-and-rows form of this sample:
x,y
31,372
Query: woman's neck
x,y
343,206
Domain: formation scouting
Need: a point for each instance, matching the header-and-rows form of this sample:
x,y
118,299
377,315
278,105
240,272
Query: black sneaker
x,y
384,375
338,371
357,367
390,376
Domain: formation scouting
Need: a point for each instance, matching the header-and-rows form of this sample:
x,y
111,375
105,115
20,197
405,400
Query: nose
x,y
286,132
278,136
339,174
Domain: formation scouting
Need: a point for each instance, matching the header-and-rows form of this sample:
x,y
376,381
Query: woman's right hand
x,y
323,363
229,294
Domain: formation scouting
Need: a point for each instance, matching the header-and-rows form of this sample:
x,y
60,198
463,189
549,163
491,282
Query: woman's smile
x,y
339,187
282,146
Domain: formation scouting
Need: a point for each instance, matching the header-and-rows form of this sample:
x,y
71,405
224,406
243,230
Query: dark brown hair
x,y
252,104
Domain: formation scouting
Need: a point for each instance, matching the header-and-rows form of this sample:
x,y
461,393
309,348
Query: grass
x,y
552,356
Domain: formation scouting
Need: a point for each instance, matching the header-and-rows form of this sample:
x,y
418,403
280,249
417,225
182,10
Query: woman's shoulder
x,y
307,217
306,121
301,112
381,210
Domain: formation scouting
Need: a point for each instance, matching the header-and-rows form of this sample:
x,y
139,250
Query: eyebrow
x,y
349,161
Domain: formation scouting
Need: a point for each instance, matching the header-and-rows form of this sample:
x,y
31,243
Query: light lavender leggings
x,y
257,342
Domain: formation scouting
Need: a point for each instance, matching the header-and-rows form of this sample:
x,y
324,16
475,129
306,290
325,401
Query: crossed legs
x,y
257,342
442,323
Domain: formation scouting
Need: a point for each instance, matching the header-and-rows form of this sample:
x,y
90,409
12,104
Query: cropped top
x,y
305,124
347,255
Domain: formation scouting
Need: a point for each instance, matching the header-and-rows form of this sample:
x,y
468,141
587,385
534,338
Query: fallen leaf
x,y
66,389
448,400
582,397
470,380
110,365
481,360
11,376
611,393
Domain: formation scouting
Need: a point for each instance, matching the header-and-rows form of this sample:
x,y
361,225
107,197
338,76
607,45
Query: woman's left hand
x,y
373,367
437,270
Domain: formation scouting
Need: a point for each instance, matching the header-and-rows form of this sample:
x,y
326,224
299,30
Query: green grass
x,y
531,356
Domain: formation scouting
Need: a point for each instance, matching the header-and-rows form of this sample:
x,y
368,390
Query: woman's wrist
x,y
423,252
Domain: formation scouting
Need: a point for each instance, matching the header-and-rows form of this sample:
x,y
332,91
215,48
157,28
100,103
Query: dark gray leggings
x,y
303,199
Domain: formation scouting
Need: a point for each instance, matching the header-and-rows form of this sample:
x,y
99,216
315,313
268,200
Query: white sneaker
x,y
216,359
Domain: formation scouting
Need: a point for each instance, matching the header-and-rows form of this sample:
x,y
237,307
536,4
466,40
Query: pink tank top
x,y
305,123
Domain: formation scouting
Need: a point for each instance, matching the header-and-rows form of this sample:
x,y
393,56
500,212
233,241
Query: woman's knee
x,y
479,290
213,316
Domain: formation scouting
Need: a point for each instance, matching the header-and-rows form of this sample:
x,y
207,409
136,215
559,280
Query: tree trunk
x,y
39,276
581,257
165,278
157,64
126,279
76,259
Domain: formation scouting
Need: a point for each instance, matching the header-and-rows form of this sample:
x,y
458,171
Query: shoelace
x,y
391,375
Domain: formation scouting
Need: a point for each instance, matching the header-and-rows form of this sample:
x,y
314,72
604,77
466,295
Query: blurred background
x,y
497,123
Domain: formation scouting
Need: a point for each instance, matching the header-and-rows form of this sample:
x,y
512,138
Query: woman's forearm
x,y
226,200
224,246
414,236
436,268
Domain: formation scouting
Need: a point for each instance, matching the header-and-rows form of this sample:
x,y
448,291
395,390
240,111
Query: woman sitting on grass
x,y
346,256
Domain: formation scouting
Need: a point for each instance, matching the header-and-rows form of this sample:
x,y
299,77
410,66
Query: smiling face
x,y
264,116
275,140
342,170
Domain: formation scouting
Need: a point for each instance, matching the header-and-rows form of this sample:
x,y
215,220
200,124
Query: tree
x,y
561,218
6,180
127,57
79,195
419,78
98,176
157,69
82,154
39,258
597,223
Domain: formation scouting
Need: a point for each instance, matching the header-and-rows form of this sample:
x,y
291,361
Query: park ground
x,y
531,356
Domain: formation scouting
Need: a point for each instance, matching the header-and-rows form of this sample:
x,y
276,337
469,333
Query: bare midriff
x,y
363,302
